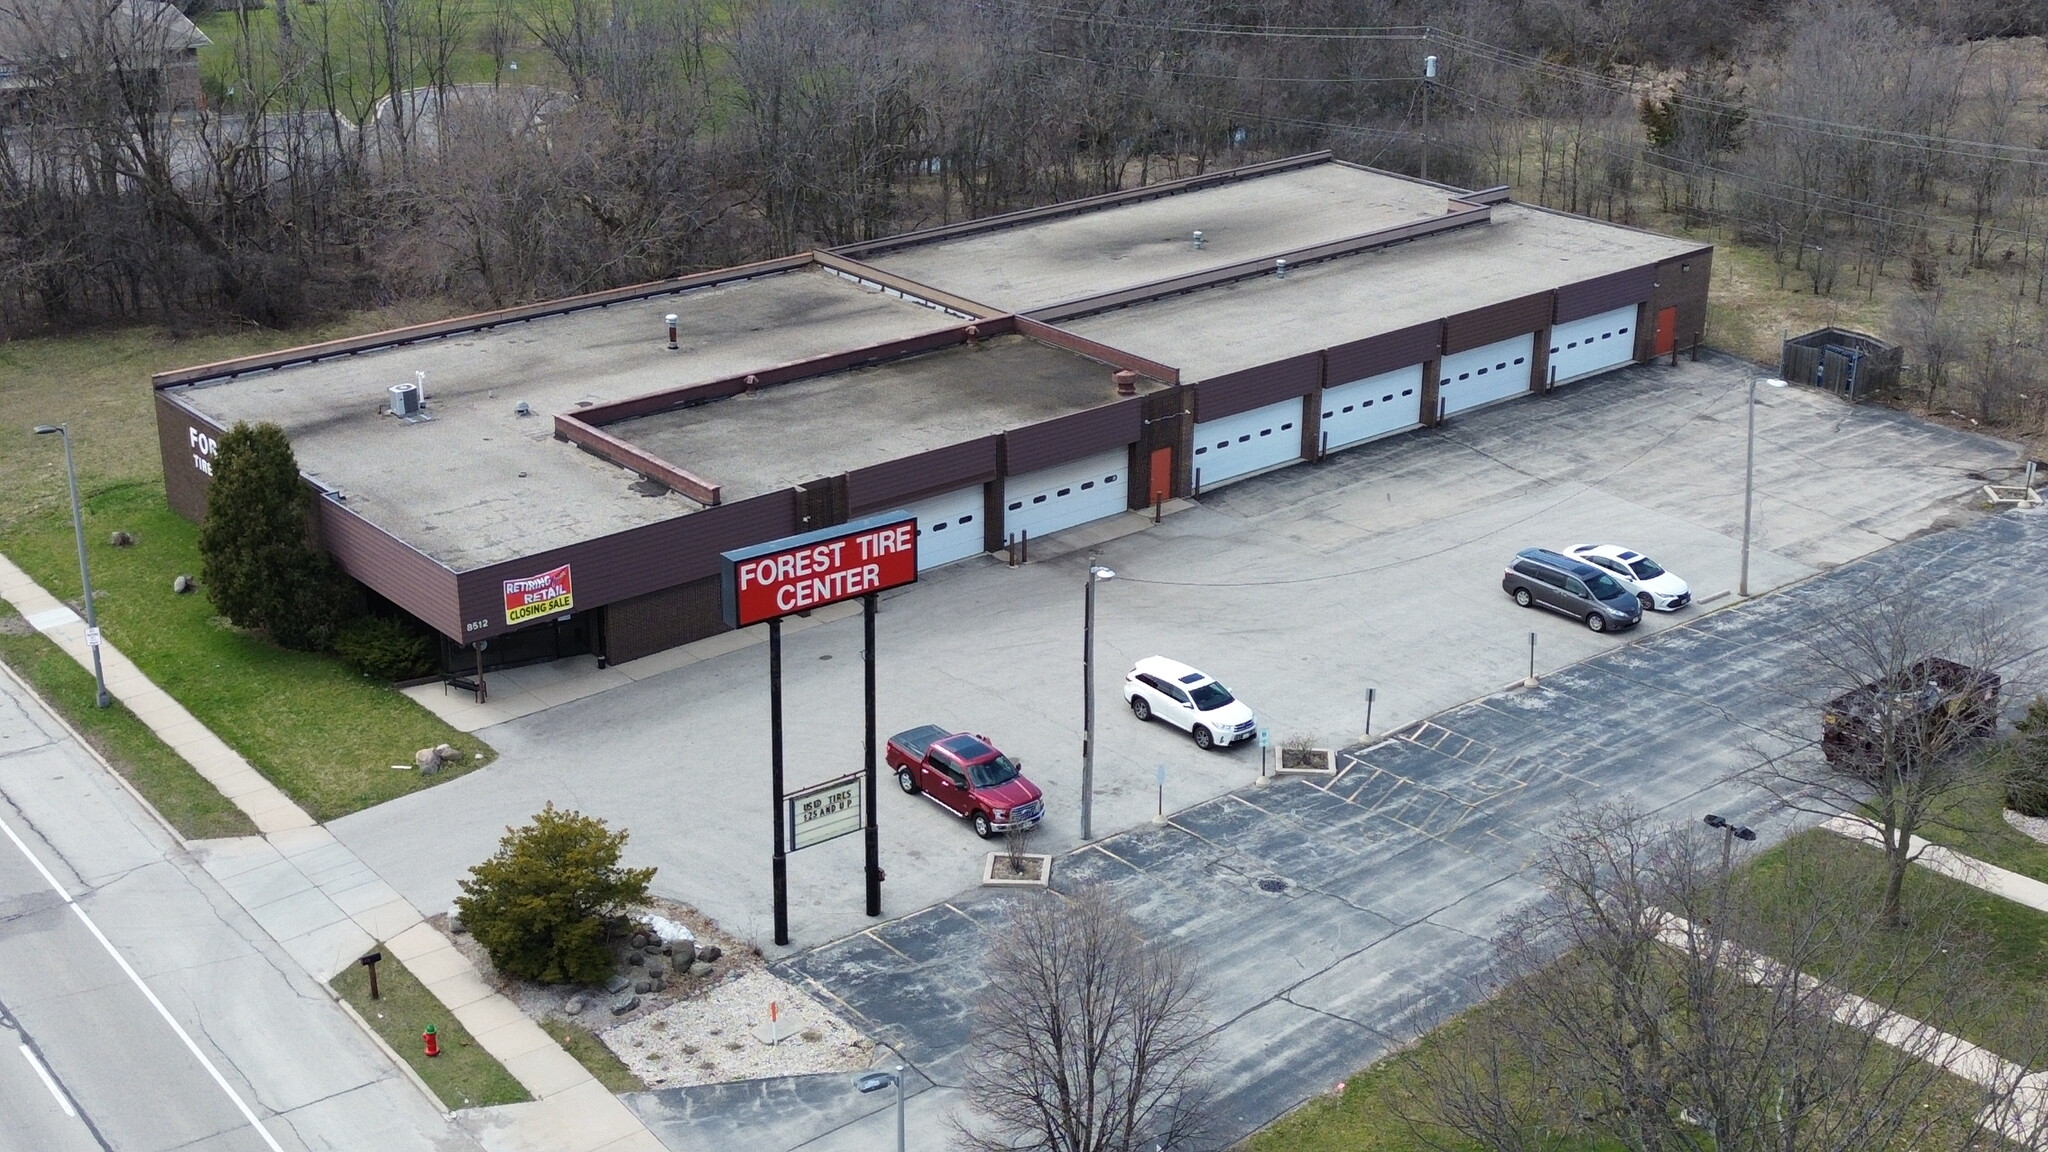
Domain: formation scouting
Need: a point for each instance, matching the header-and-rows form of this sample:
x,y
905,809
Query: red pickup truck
x,y
967,776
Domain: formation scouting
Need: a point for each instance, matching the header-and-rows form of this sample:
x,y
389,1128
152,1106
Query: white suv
x,y
1652,585
1189,700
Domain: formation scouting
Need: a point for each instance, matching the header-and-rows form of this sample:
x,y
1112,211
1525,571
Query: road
x,y
142,1009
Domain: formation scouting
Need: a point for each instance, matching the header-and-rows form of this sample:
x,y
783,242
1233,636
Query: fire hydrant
x,y
433,1042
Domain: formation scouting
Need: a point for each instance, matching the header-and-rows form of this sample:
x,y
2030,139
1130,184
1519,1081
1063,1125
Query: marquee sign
x,y
811,570
531,596
825,811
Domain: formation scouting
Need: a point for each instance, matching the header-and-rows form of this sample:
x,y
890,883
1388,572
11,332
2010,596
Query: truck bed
x,y
914,741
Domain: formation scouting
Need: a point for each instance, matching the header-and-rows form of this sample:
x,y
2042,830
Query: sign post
x,y
762,584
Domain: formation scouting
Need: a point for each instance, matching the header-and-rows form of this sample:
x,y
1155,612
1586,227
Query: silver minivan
x,y
1575,588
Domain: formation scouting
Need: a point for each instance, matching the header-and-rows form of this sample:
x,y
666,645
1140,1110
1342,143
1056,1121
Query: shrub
x,y
384,648
539,907
257,566
2026,780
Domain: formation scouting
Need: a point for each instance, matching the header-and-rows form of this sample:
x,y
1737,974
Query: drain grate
x,y
1269,884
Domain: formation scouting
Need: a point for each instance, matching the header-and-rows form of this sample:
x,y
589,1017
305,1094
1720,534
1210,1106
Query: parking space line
x,y
870,934
50,1082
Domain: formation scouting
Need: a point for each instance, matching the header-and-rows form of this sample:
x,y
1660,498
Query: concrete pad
x,y
437,964
300,841
547,1071
460,989
506,1041
491,1014
389,918
417,940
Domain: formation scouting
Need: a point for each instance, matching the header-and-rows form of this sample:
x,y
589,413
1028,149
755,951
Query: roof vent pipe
x,y
1280,268
1126,382
671,331
1198,240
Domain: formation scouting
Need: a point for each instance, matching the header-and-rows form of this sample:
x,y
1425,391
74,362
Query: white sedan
x,y
1653,586
1189,700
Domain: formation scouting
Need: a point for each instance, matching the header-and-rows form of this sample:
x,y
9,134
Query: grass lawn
x,y
323,733
590,1052
1981,832
463,1075
179,793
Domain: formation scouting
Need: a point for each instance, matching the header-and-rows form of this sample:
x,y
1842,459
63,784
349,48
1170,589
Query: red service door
x,y
1667,332
1160,485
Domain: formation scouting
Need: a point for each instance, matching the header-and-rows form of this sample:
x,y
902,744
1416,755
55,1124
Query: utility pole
x,y
92,622
1428,74
1095,572
1748,487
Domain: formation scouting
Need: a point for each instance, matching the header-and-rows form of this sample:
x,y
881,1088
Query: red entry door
x,y
1160,484
1667,331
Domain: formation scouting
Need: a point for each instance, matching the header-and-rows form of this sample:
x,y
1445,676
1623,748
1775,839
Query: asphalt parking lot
x,y
1378,568
1336,922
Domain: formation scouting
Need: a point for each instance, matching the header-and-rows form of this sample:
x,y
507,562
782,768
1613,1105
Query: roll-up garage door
x,y
1236,445
948,527
1041,503
1594,344
1483,375
1371,407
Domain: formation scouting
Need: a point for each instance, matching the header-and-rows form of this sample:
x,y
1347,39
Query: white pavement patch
x,y
710,1038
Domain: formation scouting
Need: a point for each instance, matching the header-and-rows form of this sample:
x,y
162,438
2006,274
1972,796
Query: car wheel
x,y
906,781
1649,604
1140,709
1522,597
1202,738
1596,622
982,827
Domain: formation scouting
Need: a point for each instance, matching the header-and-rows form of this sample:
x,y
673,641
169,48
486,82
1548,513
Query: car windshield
x,y
1603,586
1645,568
1211,696
990,773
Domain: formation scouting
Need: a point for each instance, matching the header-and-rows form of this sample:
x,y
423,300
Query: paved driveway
x,y
1336,922
1379,568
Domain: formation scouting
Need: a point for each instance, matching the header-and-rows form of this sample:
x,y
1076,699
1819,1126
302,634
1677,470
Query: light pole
x,y
1428,74
1748,486
878,1080
1095,572
1730,833
92,624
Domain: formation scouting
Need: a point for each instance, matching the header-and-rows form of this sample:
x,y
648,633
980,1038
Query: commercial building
x,y
562,477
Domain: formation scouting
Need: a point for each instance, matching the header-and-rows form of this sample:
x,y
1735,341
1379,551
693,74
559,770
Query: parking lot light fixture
x,y
1096,572
92,624
876,1081
1730,833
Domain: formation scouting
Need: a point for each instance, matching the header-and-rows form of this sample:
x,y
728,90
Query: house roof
x,y
36,35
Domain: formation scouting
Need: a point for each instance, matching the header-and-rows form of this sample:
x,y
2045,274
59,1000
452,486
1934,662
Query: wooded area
x,y
350,153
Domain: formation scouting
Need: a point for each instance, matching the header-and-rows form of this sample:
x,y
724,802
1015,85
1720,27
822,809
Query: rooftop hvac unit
x,y
405,399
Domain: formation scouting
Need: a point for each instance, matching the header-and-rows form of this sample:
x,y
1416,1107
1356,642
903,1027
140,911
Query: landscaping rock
x,y
624,1004
181,585
636,959
455,925
709,952
427,761
639,940
575,1005
683,953
617,984
643,986
657,967
700,968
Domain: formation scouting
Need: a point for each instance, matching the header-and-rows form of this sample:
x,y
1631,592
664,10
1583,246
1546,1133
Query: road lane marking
x,y
147,994
49,1082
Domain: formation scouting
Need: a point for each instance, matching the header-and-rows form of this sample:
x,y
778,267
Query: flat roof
x,y
1037,263
1246,323
476,483
793,433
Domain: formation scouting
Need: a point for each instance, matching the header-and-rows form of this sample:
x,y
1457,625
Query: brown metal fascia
x,y
1460,216
910,289
1498,194
653,402
1087,204
606,446
1094,350
415,333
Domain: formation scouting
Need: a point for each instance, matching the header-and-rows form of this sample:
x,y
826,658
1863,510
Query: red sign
x,y
531,596
798,573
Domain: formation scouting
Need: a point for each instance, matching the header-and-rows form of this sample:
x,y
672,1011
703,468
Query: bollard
x,y
1531,681
431,1040
1159,814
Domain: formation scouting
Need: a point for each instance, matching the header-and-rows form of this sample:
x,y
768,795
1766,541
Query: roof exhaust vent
x,y
1280,268
522,409
1198,240
1126,382
671,318
405,400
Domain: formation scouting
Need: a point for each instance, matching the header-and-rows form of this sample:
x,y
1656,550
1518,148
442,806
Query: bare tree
x,y
1090,1037
1650,1007
1902,687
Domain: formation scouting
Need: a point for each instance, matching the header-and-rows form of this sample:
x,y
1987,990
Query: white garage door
x,y
1595,344
1237,445
948,527
1372,407
1042,503
1483,375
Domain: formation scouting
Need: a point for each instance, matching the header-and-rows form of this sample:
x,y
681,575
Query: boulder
x,y
682,954
447,753
617,984
643,986
181,585
657,966
709,952
575,1005
455,925
427,761
624,1004
639,940
636,959
700,968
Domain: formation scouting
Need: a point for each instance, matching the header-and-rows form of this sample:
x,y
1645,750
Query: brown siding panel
x,y
926,474
1257,387
1681,283
407,578
184,484
1603,293
1072,437
1483,326
1383,353
637,561
648,624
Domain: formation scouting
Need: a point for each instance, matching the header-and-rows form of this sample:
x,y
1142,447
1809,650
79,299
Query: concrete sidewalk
x,y
1954,865
325,907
